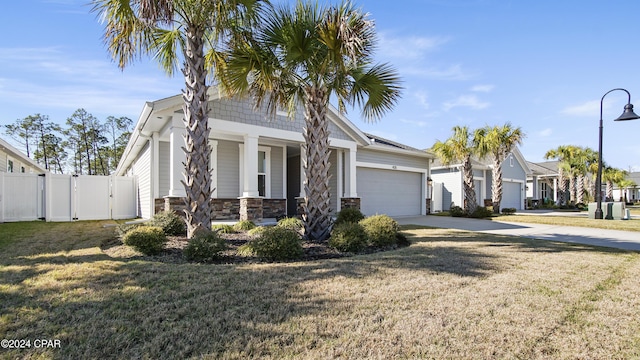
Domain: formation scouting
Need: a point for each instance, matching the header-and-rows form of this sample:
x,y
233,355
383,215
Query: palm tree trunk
x,y
580,189
609,190
316,208
496,185
197,181
469,192
572,189
562,188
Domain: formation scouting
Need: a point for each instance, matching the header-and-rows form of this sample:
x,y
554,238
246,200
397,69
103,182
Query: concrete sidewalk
x,y
627,240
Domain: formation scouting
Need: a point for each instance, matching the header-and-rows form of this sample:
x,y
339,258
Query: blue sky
x,y
541,65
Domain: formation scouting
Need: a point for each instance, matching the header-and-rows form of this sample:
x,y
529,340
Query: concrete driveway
x,y
627,240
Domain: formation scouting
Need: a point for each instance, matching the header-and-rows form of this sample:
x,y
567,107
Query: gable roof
x,y
9,149
546,168
485,163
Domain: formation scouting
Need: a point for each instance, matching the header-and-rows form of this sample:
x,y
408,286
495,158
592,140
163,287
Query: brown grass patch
x,y
451,294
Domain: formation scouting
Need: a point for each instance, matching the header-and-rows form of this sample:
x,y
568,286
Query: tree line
x,y
577,169
84,145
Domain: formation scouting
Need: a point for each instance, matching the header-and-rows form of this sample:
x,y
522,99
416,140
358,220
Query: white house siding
x,y
3,161
333,181
451,179
379,157
164,168
142,171
277,172
228,169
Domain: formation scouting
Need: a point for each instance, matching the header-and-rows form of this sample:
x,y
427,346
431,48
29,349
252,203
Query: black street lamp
x,y
628,114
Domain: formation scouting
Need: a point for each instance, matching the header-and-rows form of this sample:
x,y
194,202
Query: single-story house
x,y
543,182
447,182
632,192
13,160
256,156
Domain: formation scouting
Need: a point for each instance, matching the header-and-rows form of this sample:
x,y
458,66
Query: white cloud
x,y
470,101
51,79
450,72
414,122
546,132
411,47
483,88
422,99
585,109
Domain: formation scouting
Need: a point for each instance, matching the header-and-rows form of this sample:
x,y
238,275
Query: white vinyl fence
x,y
54,197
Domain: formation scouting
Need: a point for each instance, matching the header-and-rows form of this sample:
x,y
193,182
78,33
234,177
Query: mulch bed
x,y
175,245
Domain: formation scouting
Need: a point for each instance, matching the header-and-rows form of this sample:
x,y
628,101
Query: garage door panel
x,y
395,193
511,195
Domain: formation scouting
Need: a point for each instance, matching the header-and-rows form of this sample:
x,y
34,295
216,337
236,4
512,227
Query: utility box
x,y
610,210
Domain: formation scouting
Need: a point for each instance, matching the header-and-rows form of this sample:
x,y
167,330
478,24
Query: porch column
x,y
350,173
177,156
250,181
555,190
250,201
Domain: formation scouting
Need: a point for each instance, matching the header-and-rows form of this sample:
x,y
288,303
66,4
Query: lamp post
x,y
628,114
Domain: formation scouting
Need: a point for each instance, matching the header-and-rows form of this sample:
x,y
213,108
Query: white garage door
x,y
395,193
511,195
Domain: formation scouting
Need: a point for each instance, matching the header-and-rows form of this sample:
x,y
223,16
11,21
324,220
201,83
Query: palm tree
x,y
612,176
460,147
498,142
180,30
306,55
563,154
581,161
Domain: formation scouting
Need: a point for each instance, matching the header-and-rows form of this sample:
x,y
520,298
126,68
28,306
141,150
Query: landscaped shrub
x,y
275,243
348,237
481,212
381,230
244,225
223,229
204,246
122,229
149,240
170,222
509,211
292,223
256,230
349,215
456,211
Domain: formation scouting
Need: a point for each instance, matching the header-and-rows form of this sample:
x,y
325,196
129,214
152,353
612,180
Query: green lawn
x,y
451,294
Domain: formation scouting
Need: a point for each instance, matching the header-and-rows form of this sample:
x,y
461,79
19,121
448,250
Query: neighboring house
x,y
448,182
543,182
633,192
256,161
13,160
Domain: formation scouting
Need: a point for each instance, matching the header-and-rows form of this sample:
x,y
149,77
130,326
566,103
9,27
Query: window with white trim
x,y
9,165
544,191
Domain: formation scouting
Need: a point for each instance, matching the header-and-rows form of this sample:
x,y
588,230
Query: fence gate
x,y
56,197
21,197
